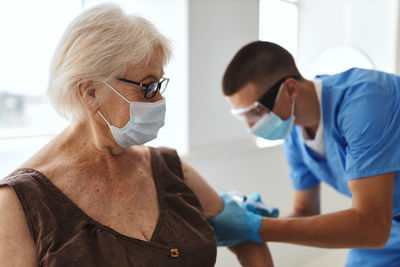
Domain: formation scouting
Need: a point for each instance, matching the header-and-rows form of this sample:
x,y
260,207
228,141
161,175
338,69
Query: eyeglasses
x,y
151,88
263,105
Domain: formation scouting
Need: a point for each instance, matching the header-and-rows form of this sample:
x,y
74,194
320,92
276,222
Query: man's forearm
x,y
253,255
344,229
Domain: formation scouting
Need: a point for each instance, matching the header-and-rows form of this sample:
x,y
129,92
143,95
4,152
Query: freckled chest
x,y
125,200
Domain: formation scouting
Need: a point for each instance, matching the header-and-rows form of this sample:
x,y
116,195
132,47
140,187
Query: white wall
x,y
217,30
370,25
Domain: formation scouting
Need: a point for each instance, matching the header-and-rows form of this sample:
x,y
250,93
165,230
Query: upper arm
x,y
208,197
16,244
372,197
253,254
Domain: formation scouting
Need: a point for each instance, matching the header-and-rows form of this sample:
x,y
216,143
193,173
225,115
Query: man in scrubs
x,y
343,130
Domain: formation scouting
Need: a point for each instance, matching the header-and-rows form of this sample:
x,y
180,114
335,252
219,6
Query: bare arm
x,y
249,254
16,244
306,203
366,225
253,254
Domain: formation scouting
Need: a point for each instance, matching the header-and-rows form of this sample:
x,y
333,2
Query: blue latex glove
x,y
256,205
235,225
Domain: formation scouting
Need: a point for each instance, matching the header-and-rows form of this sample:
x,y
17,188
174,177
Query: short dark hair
x,y
260,63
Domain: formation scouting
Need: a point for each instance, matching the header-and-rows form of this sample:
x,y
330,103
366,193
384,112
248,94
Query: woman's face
x,y
116,109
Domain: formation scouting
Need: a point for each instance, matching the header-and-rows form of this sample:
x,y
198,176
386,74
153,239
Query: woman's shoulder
x,y
165,150
17,247
160,154
18,176
145,150
169,156
10,206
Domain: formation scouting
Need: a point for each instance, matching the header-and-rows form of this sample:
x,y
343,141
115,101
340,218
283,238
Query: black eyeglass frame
x,y
269,98
147,86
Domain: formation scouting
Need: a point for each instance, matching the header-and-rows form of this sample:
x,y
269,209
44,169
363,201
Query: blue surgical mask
x,y
146,119
271,127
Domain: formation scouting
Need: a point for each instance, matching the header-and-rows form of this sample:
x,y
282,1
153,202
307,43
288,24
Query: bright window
x,y
278,24
30,31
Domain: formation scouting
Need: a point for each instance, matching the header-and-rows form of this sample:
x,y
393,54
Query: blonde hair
x,y
98,46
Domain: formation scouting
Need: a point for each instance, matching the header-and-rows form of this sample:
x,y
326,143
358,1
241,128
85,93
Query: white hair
x,y
99,45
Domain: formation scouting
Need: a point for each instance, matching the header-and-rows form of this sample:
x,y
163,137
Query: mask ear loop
x,y
118,93
279,92
101,115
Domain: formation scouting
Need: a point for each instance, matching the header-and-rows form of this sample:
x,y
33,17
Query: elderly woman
x,y
95,195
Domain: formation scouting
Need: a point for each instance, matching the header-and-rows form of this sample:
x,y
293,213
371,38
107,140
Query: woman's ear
x,y
87,94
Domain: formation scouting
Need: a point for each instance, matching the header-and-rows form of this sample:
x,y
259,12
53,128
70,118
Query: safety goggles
x,y
250,114
263,105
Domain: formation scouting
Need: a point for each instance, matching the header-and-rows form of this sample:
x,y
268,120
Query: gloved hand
x,y
256,205
235,225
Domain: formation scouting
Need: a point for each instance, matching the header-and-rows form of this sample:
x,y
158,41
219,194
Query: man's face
x,y
244,98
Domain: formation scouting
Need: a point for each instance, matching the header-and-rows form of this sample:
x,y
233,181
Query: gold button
x,y
174,253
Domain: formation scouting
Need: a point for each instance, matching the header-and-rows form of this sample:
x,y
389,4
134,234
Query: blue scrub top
x,y
361,117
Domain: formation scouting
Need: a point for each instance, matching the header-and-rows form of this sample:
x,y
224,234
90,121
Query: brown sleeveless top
x,y
65,236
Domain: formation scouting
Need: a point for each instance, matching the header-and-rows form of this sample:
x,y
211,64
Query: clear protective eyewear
x,y
251,114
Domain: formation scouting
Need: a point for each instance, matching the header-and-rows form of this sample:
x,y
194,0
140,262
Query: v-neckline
x,y
40,177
